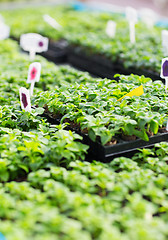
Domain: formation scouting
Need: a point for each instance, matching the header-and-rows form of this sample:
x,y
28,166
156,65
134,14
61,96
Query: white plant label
x,y
167,126
4,31
148,16
132,17
25,99
1,19
52,22
111,28
165,40
33,42
33,75
164,72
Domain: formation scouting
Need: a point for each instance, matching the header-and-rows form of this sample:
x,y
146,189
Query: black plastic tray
x,y
107,153
57,51
97,65
126,148
101,66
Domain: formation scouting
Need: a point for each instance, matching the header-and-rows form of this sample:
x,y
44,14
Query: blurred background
x,y
159,6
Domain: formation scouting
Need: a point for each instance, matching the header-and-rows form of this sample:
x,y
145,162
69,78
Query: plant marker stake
x,y
33,75
165,40
167,126
131,15
4,31
135,92
32,55
164,72
111,28
132,32
25,99
148,16
52,22
32,88
33,42
166,84
1,19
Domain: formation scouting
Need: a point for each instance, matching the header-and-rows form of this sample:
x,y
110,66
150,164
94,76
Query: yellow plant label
x,y
136,92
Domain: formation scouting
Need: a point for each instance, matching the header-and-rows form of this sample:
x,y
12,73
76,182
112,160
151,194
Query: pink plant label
x,y
34,72
41,44
25,99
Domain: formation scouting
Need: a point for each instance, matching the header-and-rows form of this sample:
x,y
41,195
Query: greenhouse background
x,y
84,120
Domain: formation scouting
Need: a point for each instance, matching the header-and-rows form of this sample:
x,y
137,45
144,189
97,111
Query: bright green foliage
x,y
29,151
95,107
32,143
47,190
125,199
72,21
86,31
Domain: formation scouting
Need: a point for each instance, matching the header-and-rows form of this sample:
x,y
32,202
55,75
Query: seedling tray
x,y
107,153
125,148
57,51
101,66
